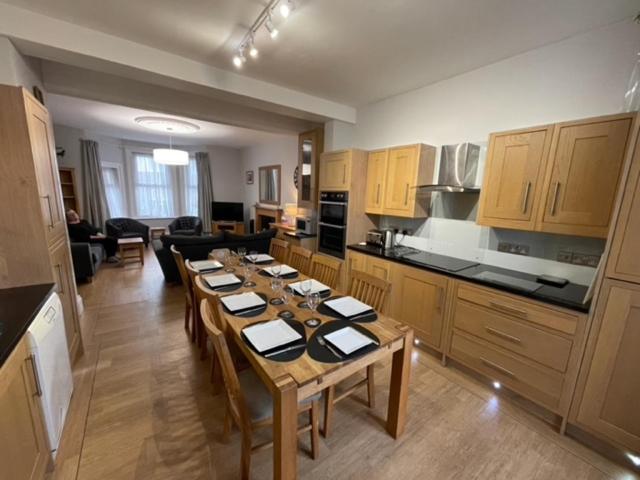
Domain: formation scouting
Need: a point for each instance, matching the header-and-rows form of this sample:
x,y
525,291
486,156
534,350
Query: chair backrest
x,y
300,258
325,270
204,293
279,249
235,397
184,275
371,290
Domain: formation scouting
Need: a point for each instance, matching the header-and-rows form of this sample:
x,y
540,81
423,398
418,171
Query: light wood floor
x,y
143,409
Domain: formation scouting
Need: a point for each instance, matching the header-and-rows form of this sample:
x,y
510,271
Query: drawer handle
x,y
507,309
503,335
525,199
32,360
497,368
556,190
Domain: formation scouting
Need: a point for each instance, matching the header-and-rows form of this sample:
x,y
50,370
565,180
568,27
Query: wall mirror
x,y
269,179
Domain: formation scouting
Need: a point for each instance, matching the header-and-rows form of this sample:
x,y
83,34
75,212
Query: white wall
x,y
16,69
582,76
282,151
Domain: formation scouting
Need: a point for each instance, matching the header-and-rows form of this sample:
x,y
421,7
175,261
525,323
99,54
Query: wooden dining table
x,y
291,382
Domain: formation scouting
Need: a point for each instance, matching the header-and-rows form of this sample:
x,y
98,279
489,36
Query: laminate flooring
x,y
143,409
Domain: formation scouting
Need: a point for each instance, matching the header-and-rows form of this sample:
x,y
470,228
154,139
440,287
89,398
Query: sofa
x,y
186,226
87,258
127,228
198,248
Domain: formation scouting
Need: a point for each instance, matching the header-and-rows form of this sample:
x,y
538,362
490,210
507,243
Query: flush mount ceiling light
x,y
167,125
264,19
169,156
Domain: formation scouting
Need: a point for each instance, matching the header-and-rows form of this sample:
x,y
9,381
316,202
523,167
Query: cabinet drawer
x,y
540,384
514,335
522,309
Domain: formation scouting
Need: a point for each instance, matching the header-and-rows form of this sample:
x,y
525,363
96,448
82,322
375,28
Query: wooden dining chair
x,y
374,292
300,259
189,312
279,249
249,402
325,270
200,336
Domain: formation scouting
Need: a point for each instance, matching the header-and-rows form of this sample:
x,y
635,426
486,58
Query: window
x,y
113,184
191,188
152,188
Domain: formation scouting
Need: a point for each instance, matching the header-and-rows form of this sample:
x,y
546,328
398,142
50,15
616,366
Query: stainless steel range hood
x,y
458,169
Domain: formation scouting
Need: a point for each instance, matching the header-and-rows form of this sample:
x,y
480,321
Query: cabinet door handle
x,y
36,378
497,368
378,194
502,335
344,173
60,282
525,198
508,309
554,201
48,198
406,194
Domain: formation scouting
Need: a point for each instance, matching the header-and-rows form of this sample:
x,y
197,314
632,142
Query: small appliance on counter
x,y
306,224
384,238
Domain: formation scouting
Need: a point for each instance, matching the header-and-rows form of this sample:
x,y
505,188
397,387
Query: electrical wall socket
x,y
565,256
575,258
515,248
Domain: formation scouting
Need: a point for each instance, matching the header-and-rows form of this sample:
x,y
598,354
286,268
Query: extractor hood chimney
x,y
458,170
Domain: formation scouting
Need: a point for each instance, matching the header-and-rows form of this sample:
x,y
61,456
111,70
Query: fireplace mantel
x,y
266,215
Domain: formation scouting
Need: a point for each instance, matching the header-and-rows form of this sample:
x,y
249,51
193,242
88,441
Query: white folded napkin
x,y
206,264
348,306
348,340
268,335
217,281
284,270
316,286
242,301
259,258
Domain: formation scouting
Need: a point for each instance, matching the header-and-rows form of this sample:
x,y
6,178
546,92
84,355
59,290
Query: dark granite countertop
x,y
300,235
570,296
18,308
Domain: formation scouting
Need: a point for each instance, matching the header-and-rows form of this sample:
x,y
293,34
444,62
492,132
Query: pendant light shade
x,y
169,156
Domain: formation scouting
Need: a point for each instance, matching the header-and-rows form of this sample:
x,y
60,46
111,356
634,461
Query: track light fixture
x,y
264,19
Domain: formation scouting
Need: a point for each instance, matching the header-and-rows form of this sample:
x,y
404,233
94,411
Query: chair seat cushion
x,y
258,397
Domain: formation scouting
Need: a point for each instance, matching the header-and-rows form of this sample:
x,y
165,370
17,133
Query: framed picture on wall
x,y
249,175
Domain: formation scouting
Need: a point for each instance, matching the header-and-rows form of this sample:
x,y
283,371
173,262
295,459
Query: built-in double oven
x,y
332,223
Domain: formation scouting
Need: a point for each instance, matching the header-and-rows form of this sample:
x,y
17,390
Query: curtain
x,y
96,209
113,190
205,189
153,188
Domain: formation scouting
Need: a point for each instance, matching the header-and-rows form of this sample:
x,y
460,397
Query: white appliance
x,y
48,347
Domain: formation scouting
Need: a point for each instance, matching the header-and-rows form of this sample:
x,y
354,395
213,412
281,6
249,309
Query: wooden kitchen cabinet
x,y
24,447
356,261
310,146
583,173
376,181
514,172
65,286
624,260
609,394
418,298
379,267
335,171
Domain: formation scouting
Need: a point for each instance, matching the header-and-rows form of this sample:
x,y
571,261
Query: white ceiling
x,y
118,122
354,51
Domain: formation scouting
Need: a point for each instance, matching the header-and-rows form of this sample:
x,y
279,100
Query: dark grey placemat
x,y
230,288
291,354
250,313
329,312
324,354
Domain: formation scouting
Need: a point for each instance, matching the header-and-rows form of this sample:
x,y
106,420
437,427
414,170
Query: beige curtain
x,y
96,208
205,189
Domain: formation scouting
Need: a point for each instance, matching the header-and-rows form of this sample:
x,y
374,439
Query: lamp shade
x,y
169,156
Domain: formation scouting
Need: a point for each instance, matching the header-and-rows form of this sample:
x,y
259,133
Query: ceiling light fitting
x,y
167,125
264,19
169,156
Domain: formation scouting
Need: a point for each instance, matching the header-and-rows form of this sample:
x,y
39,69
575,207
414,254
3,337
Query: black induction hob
x,y
441,262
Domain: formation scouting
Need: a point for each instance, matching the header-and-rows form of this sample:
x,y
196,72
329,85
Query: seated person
x,y
83,231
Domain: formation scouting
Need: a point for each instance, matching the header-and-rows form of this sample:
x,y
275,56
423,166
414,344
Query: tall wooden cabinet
x,y
558,179
34,244
310,147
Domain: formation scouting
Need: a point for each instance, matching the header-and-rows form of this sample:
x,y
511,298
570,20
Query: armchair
x,y
127,228
186,226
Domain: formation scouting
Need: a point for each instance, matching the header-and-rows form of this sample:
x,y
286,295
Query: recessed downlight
x,y
169,125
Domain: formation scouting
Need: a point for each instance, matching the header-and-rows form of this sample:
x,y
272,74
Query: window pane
x,y
113,191
191,188
152,188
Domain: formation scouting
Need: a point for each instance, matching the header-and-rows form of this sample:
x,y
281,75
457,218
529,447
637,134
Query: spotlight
x,y
635,459
497,385
253,51
239,59
273,31
286,7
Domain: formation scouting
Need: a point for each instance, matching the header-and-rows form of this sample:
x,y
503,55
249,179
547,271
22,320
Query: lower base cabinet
x,y
609,388
24,448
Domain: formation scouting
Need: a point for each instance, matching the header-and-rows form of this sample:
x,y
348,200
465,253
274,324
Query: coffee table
x,y
131,250
156,232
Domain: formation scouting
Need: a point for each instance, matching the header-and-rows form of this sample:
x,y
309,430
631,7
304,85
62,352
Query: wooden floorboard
x,y
143,409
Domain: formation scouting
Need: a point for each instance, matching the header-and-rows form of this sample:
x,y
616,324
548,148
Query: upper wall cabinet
x,y
335,171
513,178
392,176
310,146
558,179
583,174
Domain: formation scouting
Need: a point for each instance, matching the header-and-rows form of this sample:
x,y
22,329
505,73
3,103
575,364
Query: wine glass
x,y
227,260
305,288
253,255
276,270
242,252
313,300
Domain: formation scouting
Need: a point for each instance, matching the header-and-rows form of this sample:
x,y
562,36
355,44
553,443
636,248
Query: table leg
x,y
285,426
141,251
399,387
